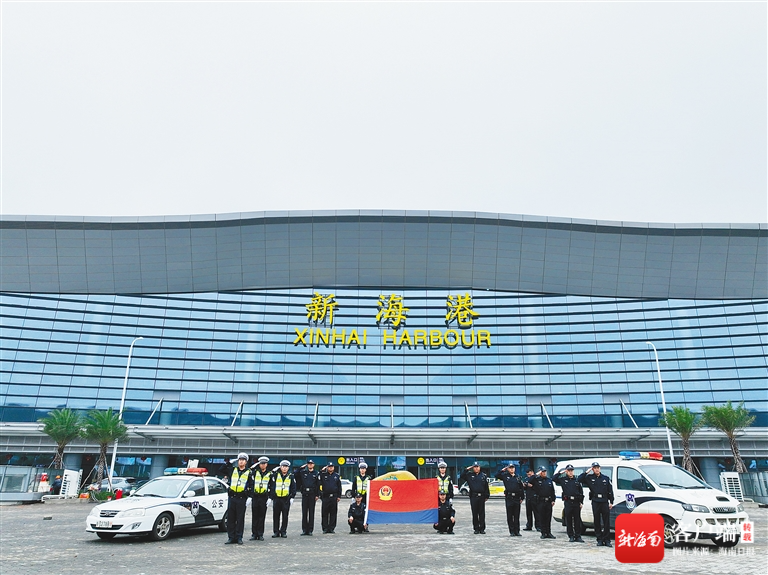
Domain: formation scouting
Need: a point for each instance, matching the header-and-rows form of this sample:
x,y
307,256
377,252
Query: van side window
x,y
630,479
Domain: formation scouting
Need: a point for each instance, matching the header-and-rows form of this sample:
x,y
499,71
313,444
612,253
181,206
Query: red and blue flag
x,y
412,501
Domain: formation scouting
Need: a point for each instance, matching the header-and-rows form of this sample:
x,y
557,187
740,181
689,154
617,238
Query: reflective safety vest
x,y
361,484
260,480
238,480
444,483
282,485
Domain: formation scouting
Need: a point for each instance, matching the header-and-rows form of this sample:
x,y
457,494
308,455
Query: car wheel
x,y
162,527
223,522
348,494
720,542
671,531
105,536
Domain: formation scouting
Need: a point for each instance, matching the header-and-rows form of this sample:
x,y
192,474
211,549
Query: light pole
x,y
120,415
663,403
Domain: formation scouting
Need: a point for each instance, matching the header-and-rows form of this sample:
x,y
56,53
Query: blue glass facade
x,y
217,356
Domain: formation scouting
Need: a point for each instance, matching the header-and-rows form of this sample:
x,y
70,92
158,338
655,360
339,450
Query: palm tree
x,y
684,422
103,427
63,426
729,420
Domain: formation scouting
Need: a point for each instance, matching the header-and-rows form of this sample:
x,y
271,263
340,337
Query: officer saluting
x,y
479,493
573,498
259,498
530,502
239,488
281,489
545,495
330,491
444,482
308,483
514,492
446,515
601,495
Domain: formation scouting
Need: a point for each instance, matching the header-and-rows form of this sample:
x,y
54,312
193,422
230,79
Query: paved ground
x,y
31,544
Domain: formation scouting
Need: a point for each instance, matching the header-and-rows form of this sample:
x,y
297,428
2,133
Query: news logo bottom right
x,y
639,538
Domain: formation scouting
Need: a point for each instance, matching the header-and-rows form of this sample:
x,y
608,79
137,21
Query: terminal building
x,y
394,337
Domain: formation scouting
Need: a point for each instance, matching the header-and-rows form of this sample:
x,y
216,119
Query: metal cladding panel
x,y
395,249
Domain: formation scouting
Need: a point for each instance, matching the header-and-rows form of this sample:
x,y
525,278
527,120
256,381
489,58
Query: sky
x,y
645,111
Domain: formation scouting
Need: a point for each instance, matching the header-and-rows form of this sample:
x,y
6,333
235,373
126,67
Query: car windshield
x,y
672,477
166,487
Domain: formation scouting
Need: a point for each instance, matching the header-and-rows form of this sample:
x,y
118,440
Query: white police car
x,y
642,483
162,505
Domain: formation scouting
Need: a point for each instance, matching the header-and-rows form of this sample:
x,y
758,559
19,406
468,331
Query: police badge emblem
x,y
195,508
630,501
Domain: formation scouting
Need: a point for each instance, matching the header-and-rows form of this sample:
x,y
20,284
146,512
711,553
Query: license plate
x,y
103,524
731,529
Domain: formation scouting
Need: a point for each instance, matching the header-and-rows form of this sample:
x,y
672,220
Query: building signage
x,y
390,317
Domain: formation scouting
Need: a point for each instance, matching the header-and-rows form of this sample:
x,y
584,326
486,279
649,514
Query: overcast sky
x,y
616,111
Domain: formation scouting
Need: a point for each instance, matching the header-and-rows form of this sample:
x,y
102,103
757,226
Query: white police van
x,y
642,483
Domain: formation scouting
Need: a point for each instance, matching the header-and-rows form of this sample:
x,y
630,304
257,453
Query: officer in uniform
x,y
545,496
531,519
308,483
239,488
356,515
479,493
361,482
514,493
444,482
330,491
446,515
259,499
601,495
281,489
573,499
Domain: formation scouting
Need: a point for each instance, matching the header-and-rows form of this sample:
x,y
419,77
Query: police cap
x,y
569,467
595,464
242,456
442,464
476,464
310,461
285,463
363,465
263,459
442,492
542,468
331,464
358,494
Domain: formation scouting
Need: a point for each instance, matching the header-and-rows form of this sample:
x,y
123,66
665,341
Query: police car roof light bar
x,y
641,455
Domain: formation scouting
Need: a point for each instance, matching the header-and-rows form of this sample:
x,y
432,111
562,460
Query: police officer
x,y
308,483
330,491
601,495
479,493
573,499
514,493
444,482
260,474
545,496
281,489
239,489
531,517
361,481
356,515
446,515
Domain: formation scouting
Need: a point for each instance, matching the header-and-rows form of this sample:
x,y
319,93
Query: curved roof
x,y
456,250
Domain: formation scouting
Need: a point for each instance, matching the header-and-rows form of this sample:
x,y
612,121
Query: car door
x,y
217,499
189,514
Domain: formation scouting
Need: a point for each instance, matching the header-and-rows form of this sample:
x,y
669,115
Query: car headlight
x,y
695,508
740,508
132,513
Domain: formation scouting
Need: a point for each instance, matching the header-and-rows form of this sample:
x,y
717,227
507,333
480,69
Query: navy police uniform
x,y
573,498
308,484
545,496
330,491
601,495
531,520
356,515
445,512
479,492
514,493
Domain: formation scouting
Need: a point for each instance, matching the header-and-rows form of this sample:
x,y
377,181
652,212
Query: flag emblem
x,y
385,493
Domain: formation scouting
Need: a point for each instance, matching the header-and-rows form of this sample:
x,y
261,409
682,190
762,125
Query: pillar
x,y
159,463
73,461
710,471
